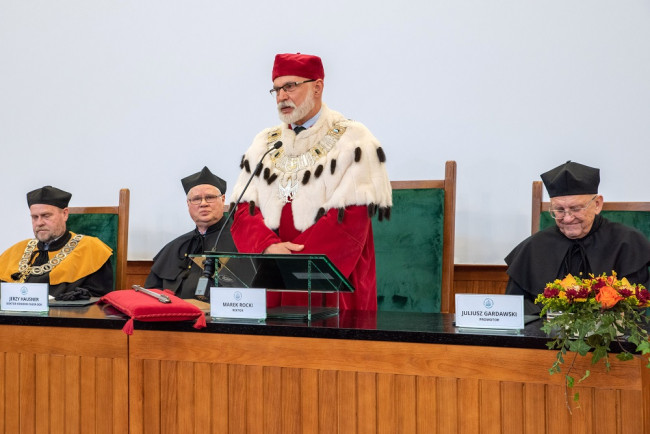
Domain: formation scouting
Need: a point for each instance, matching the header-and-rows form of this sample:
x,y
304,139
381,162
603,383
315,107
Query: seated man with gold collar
x,y
75,266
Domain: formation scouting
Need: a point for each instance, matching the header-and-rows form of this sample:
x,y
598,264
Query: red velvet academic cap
x,y
571,179
302,65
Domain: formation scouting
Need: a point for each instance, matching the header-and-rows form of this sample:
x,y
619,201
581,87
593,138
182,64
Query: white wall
x,y
98,95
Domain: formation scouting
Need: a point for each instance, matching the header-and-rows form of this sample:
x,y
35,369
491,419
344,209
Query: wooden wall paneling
x,y
254,397
582,416
628,412
46,369
558,419
291,402
187,406
42,395
607,417
272,399
309,400
469,405
367,402
386,404
237,398
427,414
27,376
328,404
347,397
219,398
88,387
168,396
137,272
406,397
447,404
512,407
491,410
12,392
534,408
394,387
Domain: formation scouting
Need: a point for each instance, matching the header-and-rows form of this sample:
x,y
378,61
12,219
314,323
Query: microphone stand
x,y
209,264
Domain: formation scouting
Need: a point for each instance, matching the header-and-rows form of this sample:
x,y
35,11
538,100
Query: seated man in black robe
x,y
172,268
75,266
581,242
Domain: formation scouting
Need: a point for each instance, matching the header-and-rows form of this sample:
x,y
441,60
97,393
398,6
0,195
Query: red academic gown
x,y
349,245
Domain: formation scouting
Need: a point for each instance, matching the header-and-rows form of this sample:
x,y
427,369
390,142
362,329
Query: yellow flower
x,y
568,282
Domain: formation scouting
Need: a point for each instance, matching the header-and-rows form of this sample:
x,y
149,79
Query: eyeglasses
x,y
209,198
559,214
288,87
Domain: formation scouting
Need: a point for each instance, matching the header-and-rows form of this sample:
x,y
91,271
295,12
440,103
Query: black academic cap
x,y
570,179
49,195
203,177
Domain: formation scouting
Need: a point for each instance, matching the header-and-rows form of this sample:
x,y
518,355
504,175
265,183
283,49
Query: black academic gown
x,y
98,283
173,269
549,255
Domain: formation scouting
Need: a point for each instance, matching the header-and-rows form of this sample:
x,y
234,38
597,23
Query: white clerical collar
x,y
309,123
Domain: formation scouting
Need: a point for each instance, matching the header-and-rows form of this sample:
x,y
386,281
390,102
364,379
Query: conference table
x,y
73,370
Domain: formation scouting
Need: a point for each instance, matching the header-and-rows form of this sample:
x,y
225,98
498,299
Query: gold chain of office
x,y
25,269
294,163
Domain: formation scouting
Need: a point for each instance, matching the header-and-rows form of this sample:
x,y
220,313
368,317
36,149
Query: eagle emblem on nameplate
x,y
288,191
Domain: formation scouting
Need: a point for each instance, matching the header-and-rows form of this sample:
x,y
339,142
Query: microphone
x,y
209,264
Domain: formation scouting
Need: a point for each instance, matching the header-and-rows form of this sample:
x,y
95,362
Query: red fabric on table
x,y
143,307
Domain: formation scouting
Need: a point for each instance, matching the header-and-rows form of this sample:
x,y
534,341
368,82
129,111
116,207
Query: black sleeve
x,y
641,277
100,282
153,281
530,308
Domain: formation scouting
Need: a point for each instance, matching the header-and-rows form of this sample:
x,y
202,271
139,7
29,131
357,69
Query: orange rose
x,y
608,297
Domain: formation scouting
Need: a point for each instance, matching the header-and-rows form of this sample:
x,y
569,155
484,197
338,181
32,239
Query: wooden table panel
x,y
58,380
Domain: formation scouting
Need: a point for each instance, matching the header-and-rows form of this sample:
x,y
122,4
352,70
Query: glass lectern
x,y
297,273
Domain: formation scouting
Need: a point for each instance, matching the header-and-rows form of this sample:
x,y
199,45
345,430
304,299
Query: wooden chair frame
x,y
447,303
122,211
539,206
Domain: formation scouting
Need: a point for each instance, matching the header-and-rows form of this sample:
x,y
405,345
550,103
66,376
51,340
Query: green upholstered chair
x,y
111,225
635,214
415,248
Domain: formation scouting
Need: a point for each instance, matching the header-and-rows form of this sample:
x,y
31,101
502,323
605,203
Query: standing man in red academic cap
x,y
317,193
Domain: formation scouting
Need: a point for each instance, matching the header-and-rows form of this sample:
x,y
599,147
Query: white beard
x,y
299,112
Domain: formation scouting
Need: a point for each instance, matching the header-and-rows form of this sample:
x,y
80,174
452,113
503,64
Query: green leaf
x,y
625,356
579,346
584,377
576,397
569,381
598,354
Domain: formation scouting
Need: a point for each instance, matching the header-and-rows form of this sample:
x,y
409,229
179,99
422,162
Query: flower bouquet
x,y
589,314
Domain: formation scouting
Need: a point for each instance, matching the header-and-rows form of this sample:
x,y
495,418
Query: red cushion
x,y
144,307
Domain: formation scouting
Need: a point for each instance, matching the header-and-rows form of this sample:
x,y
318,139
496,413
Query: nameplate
x,y
24,297
244,303
490,311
